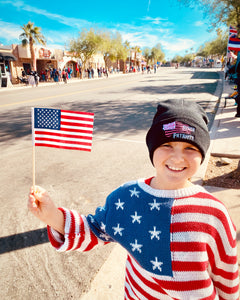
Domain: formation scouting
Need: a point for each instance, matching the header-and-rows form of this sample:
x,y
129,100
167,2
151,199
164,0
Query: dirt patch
x,y
223,172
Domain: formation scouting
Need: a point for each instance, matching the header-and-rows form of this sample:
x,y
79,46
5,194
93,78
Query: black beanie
x,y
179,120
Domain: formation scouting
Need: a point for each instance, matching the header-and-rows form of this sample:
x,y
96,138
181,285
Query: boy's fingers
x,y
37,192
31,202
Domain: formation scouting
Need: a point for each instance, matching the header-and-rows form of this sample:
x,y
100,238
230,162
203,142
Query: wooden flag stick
x,y
33,149
33,166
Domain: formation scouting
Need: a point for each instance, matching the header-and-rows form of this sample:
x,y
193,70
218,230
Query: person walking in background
x,y
180,239
64,76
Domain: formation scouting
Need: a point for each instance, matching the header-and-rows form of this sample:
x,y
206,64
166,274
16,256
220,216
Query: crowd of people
x,y
63,75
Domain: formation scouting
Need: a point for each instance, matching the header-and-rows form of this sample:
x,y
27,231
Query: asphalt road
x,y
124,107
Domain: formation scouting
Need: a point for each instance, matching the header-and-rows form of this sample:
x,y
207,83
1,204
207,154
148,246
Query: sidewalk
x,y
108,283
14,87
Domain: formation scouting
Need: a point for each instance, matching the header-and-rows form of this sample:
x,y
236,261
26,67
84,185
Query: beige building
x,y
15,59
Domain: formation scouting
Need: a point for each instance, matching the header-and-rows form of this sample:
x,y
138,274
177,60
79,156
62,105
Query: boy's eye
x,y
166,145
192,148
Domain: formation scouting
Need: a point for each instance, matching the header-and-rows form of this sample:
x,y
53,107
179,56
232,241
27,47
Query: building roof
x,y
7,56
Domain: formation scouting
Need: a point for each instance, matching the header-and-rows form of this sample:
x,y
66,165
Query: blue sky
x,y
143,23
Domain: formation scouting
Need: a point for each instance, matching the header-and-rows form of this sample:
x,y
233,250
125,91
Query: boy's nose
x,y
177,155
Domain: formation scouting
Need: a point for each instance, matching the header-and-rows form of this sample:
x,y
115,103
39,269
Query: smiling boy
x,y
180,239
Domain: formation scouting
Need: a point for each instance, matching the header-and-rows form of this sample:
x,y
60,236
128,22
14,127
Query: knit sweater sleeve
x,y
222,253
78,235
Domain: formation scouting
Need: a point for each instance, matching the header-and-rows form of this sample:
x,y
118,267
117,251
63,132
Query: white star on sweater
x,y
136,218
156,264
119,204
105,236
155,233
103,226
118,229
134,192
136,246
154,204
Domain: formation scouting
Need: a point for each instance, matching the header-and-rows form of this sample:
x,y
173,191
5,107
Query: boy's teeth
x,y
175,169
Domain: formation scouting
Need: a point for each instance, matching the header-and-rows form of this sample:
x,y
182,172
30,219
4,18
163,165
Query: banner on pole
x,y
62,129
233,40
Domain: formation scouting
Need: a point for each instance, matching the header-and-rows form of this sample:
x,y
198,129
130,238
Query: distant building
x,y
6,65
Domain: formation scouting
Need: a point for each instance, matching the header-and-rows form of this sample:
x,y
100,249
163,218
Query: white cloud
x,y
153,20
72,22
198,23
9,31
178,44
145,35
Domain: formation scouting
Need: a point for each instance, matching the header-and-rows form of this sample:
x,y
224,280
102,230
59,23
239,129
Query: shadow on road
x,y
209,88
23,240
111,117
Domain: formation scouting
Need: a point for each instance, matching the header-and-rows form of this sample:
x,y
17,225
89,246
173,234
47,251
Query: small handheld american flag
x,y
62,129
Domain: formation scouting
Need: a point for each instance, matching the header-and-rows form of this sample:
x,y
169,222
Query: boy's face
x,y
175,163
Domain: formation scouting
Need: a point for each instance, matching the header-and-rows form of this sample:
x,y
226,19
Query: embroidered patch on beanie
x,y
178,129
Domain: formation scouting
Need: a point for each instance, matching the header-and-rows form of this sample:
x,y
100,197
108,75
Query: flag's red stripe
x,y
77,118
64,135
76,124
63,141
77,112
63,147
233,39
236,48
77,130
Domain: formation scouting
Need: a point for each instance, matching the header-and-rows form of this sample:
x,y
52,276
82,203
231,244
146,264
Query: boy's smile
x,y
175,164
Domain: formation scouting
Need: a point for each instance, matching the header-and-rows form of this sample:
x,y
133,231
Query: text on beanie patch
x,y
178,129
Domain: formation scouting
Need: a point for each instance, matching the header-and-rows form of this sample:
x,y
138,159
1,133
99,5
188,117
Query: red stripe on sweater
x,y
226,289
202,227
217,271
188,266
190,246
72,233
126,290
151,285
133,283
52,240
93,243
82,232
212,211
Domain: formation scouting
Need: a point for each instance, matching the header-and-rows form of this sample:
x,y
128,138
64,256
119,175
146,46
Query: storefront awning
x,y
7,56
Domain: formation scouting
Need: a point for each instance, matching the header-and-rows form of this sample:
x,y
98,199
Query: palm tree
x,y
31,35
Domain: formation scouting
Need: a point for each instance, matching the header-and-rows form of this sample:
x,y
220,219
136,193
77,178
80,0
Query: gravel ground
x,y
222,172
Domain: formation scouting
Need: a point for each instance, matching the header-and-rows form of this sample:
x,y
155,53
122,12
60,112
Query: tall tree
x,y
110,46
157,53
221,11
86,45
147,54
217,46
32,35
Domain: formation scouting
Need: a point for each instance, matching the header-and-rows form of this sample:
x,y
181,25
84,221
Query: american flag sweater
x,y
181,243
